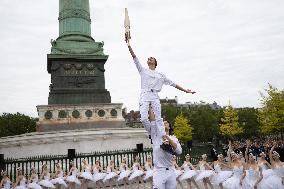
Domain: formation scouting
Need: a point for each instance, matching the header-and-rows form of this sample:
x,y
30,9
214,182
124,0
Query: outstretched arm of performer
x,y
167,81
185,90
129,47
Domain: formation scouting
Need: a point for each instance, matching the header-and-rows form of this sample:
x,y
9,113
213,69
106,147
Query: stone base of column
x,y
84,116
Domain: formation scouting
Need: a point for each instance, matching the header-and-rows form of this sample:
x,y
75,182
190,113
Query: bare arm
x,y
270,154
129,47
242,178
17,181
268,164
246,152
185,90
131,51
191,166
260,178
208,166
229,152
1,183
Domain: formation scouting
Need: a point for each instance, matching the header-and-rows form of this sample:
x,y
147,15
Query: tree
x,y
170,112
182,128
15,124
248,120
230,126
204,122
271,114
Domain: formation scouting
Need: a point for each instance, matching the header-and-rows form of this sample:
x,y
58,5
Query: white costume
x,y
124,172
34,184
73,177
234,181
59,179
266,172
98,175
87,173
136,172
6,184
188,173
151,83
250,178
22,184
149,171
178,173
164,176
220,175
110,174
203,173
45,182
275,180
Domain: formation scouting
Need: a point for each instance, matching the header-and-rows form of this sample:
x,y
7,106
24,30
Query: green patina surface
x,y
76,62
75,30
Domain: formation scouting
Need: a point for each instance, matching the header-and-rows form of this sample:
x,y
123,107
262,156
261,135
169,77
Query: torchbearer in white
x,y
151,84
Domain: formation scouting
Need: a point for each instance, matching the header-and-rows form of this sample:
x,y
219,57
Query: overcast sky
x,y
223,49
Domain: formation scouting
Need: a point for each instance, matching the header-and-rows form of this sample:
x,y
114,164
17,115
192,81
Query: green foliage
x,y
248,120
230,125
182,128
15,124
204,120
271,114
170,112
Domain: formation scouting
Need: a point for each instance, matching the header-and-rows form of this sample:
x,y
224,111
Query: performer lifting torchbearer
x,y
151,83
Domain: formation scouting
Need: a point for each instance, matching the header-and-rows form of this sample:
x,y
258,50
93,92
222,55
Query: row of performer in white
x,y
95,174
237,173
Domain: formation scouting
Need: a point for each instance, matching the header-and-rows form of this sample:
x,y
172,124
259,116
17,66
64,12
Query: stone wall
x,y
83,141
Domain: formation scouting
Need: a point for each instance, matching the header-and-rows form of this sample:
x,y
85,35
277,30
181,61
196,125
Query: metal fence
x,y
10,165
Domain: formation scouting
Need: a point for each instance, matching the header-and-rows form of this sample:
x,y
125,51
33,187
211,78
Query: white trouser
x,y
144,112
164,178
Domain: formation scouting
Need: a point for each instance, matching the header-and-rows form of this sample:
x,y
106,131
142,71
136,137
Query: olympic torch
x,y
127,27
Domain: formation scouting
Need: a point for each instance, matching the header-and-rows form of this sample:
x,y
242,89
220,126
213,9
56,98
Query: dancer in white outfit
x,y
124,172
221,175
98,174
205,173
164,176
137,172
189,172
20,180
58,181
251,175
276,181
72,176
148,166
151,83
33,180
178,171
266,171
45,178
5,182
111,173
237,168
86,174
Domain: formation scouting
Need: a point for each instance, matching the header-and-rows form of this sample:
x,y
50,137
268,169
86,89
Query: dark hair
x,y
171,130
156,63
